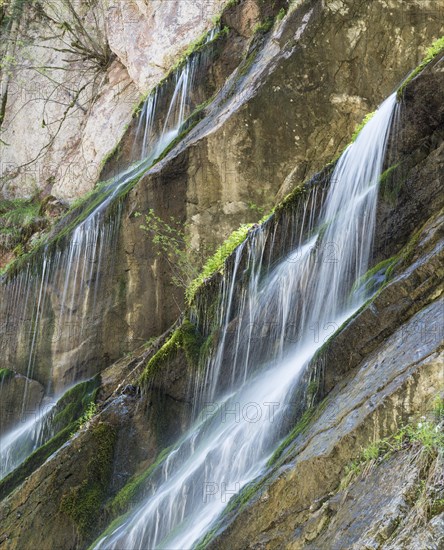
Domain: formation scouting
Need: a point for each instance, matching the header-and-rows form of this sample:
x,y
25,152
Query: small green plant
x,y
438,408
424,438
256,208
264,26
281,14
172,243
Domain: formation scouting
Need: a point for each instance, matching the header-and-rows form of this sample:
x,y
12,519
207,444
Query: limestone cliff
x,y
279,96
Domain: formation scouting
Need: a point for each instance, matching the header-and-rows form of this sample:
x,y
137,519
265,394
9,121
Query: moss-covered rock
x,y
83,503
134,489
69,414
185,342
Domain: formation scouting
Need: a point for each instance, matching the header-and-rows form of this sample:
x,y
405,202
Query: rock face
x,y
382,370
13,388
285,104
63,115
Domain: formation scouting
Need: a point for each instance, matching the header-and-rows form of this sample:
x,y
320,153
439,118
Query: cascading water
x,y
65,285
310,290
67,278
20,443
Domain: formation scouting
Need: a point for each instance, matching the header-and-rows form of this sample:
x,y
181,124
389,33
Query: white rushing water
x,y
18,444
297,305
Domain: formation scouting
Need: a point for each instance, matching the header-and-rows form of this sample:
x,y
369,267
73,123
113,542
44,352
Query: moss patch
x,y
371,281
133,491
292,199
390,184
83,503
300,428
110,529
36,459
264,26
68,415
75,402
431,52
360,126
6,374
216,262
185,338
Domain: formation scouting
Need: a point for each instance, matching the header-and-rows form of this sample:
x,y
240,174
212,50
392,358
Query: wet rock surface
x,y
382,369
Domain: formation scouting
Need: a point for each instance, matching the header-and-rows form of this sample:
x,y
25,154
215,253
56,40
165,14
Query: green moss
x,y
76,402
436,507
360,126
5,374
312,389
131,493
438,408
66,415
36,459
245,66
196,46
244,496
264,26
185,338
83,503
69,411
300,428
188,126
216,262
390,185
110,529
376,276
281,14
292,199
431,52
203,543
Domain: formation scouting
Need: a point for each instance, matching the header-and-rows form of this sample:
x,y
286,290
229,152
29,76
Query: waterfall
x,y
17,445
64,286
55,418
270,330
61,288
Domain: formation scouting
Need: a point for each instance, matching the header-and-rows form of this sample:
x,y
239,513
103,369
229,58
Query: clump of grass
x,y
425,438
19,220
281,14
90,411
